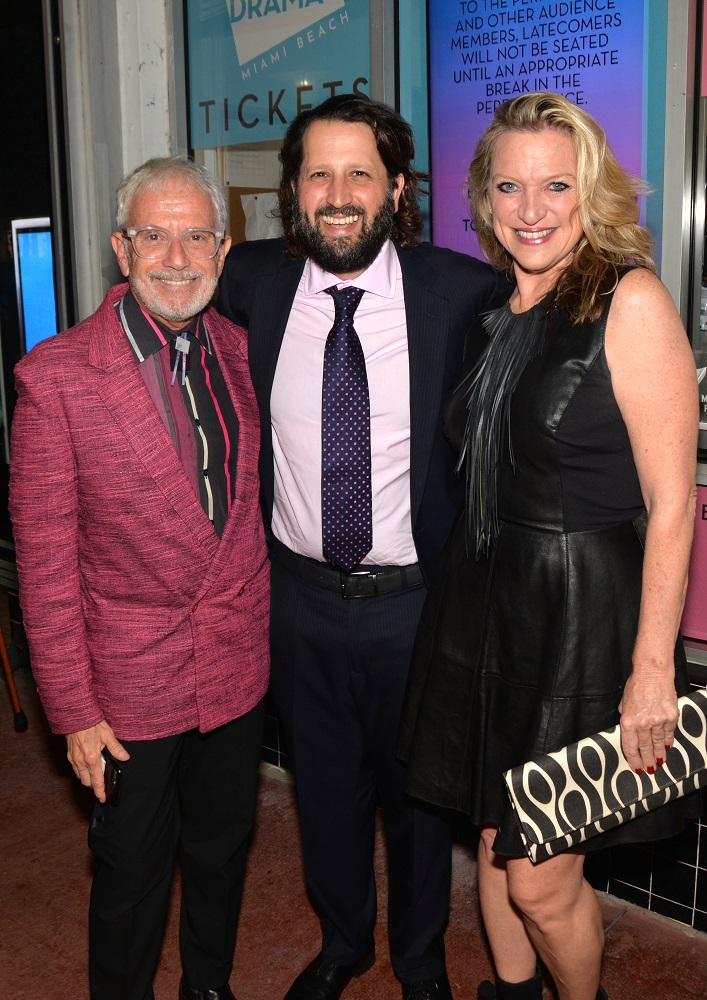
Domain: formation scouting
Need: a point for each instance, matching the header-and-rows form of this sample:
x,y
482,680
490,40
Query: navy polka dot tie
x,y
347,522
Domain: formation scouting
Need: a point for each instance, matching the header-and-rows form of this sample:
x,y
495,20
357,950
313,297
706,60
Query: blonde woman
x,y
556,611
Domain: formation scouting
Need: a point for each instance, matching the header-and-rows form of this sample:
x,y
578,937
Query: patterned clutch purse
x,y
562,799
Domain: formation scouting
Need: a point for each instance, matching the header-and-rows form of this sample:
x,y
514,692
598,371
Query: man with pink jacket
x,y
144,580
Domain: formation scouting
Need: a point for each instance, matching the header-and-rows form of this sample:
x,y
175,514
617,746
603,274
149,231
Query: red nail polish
x,y
639,770
667,748
650,770
659,761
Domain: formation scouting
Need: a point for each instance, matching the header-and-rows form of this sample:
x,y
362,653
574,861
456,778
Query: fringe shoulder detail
x,y
513,340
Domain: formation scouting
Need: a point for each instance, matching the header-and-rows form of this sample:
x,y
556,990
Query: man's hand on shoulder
x,y
84,753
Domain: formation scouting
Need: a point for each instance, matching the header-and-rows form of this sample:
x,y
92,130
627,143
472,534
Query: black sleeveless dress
x,y
527,649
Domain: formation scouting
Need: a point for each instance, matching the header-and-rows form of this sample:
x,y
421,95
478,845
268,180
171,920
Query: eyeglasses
x,y
197,244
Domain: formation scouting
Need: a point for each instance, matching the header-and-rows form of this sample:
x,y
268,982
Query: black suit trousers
x,y
339,670
192,794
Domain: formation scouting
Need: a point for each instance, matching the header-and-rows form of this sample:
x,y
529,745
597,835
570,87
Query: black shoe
x,y
186,992
487,991
323,980
529,989
428,989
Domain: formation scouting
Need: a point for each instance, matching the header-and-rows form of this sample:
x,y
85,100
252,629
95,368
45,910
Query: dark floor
x,y
45,872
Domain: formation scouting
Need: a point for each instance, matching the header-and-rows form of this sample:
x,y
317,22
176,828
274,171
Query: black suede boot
x,y
529,989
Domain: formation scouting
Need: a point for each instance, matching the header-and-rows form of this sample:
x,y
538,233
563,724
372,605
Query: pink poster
x,y
483,52
694,619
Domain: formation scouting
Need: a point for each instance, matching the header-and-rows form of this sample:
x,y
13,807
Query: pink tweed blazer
x,y
135,610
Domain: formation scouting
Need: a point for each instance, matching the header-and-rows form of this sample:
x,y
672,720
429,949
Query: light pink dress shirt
x,y
296,408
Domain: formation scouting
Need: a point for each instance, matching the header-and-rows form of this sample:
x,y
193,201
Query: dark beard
x,y
346,254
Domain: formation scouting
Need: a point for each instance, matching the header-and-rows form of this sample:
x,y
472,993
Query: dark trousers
x,y
338,676
194,794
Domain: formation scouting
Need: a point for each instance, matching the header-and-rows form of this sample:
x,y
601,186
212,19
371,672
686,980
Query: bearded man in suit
x,y
144,580
356,334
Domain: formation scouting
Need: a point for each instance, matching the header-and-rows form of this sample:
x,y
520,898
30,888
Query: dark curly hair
x,y
396,148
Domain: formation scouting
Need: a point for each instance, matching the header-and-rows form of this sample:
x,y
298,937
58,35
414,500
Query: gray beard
x,y
159,305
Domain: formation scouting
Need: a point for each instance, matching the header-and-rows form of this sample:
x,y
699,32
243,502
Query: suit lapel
x,y
427,318
233,363
272,303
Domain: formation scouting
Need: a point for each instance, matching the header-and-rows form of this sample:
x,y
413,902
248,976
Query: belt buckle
x,y
361,572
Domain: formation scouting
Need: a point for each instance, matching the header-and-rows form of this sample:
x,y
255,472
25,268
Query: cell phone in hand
x,y
113,777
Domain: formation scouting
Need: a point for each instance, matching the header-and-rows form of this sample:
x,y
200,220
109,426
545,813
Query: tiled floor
x,y
45,872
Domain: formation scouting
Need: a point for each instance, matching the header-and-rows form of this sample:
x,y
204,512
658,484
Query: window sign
x,y
484,52
255,64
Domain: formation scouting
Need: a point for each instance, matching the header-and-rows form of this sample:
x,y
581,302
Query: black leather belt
x,y
361,583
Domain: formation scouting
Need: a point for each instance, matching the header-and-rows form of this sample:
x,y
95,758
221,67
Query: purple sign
x,y
483,52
